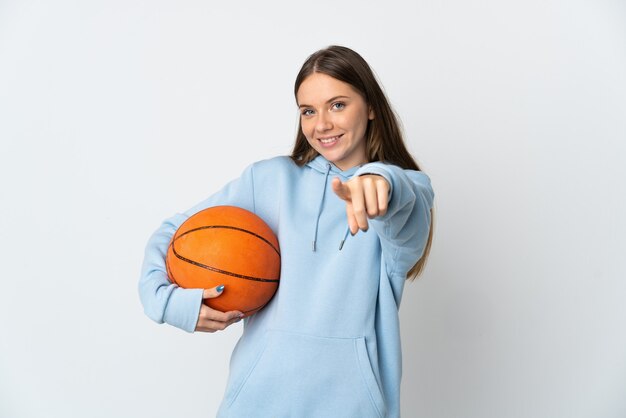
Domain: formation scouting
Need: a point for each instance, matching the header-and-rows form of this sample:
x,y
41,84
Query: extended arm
x,y
397,204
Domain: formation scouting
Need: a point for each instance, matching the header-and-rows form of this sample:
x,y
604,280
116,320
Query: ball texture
x,y
231,246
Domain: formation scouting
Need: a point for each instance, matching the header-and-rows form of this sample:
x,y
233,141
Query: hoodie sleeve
x,y
404,229
162,300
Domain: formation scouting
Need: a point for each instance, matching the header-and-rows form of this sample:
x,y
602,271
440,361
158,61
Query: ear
x,y
371,115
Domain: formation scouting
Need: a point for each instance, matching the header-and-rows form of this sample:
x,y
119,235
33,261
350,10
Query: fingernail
x,y
241,315
220,288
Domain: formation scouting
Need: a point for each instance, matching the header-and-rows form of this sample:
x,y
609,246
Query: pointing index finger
x,y
341,189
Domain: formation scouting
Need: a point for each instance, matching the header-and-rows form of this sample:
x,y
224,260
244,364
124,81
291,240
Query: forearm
x,y
162,300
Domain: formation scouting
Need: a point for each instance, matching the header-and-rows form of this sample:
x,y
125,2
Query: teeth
x,y
329,140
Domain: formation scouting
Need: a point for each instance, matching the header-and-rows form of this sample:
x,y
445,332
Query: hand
x,y
211,320
365,196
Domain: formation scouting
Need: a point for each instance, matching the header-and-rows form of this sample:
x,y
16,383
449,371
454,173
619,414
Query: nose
x,y
323,123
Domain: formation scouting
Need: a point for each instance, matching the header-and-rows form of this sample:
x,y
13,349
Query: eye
x,y
338,105
307,112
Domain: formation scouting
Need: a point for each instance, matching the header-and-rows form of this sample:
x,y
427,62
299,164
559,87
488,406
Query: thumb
x,y
212,292
341,189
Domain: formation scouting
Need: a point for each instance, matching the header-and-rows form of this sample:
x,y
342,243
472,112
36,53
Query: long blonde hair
x,y
384,139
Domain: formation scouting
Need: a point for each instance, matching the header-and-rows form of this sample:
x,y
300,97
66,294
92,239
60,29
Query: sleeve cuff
x,y
183,308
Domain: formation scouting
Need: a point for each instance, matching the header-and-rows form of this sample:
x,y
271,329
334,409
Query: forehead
x,y
318,88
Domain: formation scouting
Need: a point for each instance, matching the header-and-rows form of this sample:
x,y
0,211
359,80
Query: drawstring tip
x,y
313,246
345,237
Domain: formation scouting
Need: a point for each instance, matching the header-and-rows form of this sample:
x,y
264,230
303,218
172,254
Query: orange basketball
x,y
230,246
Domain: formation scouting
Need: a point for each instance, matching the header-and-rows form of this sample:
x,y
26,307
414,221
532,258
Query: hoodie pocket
x,y
302,375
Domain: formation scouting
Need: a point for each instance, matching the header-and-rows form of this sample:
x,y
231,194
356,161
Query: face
x,y
334,118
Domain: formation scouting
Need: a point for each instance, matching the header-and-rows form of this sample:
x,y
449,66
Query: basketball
x,y
231,246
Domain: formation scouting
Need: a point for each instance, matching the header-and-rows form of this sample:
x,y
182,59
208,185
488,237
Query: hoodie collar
x,y
320,164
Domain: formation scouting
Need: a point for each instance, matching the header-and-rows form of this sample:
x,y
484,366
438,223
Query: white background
x,y
117,114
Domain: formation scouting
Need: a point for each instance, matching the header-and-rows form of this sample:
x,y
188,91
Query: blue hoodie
x,y
328,343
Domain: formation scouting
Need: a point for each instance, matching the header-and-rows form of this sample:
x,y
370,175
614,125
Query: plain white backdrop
x,y
117,114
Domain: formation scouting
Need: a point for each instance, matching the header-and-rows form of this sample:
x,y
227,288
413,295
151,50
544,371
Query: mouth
x,y
329,140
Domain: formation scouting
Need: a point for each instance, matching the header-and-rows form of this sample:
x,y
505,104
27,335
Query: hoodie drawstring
x,y
344,238
319,211
319,214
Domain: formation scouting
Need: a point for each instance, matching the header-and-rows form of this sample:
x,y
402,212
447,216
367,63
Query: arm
x,y
164,301
397,203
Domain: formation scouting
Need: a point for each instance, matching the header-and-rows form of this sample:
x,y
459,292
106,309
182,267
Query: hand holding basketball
x,y
211,320
365,196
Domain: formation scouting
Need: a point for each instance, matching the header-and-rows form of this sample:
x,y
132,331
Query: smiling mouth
x,y
330,140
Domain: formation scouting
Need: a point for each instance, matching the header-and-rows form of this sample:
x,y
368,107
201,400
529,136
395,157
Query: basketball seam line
x,y
229,227
204,266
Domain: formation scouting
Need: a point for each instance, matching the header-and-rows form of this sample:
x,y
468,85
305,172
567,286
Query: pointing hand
x,y
365,196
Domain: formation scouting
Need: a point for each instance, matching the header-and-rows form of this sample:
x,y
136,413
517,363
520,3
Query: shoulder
x,y
418,176
273,168
421,182
280,161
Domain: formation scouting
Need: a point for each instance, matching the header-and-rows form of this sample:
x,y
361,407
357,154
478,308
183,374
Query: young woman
x,y
353,215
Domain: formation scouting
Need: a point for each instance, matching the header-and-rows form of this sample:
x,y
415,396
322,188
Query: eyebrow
x,y
327,101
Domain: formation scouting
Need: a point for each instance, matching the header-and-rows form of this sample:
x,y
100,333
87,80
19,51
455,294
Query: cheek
x,y
364,120
358,125
307,128
357,121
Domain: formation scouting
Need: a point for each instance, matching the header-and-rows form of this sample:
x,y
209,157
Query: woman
x,y
328,343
